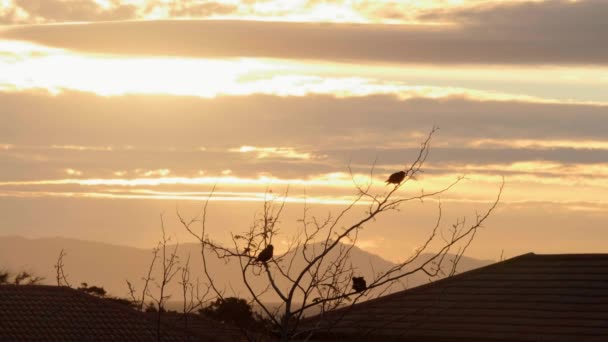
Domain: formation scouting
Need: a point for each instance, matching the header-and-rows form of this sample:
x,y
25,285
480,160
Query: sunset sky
x,y
115,111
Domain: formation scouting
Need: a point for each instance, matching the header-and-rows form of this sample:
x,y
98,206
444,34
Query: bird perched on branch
x,y
396,178
359,284
265,254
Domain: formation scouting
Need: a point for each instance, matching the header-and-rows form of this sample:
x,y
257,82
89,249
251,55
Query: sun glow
x,y
105,75
274,152
352,11
479,186
338,179
26,66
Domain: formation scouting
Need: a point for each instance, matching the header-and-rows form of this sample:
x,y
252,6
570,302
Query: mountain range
x,y
110,266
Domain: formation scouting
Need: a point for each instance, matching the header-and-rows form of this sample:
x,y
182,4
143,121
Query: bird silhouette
x,y
265,254
396,178
359,284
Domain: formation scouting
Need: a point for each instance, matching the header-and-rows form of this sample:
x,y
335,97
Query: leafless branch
x,y
62,279
325,244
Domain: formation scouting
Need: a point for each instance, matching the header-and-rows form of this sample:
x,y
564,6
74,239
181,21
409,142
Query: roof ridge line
x,y
457,276
434,283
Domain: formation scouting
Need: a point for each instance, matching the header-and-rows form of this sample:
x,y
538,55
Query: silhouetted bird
x,y
359,284
265,254
396,178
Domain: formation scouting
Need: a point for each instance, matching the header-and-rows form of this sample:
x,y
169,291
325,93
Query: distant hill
x,y
111,265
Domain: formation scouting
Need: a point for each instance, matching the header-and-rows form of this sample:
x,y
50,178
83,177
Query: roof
x,y
31,312
527,298
202,325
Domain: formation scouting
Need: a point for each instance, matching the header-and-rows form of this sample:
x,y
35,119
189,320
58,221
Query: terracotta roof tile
x,y
35,312
527,298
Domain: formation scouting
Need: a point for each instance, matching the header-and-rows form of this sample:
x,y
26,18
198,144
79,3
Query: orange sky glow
x,y
307,97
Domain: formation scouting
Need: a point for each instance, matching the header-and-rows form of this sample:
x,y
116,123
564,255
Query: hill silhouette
x,y
110,265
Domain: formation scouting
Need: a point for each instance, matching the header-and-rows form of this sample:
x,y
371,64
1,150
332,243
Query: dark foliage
x,y
92,290
21,278
4,277
151,307
123,301
99,291
232,310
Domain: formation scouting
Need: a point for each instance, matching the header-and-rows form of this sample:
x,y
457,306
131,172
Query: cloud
x,y
154,173
541,144
38,11
57,11
72,172
569,15
556,182
273,152
293,121
82,148
43,11
28,66
43,135
200,9
360,11
550,32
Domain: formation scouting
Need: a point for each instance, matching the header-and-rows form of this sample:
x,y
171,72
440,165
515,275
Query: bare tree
x,y
328,279
61,277
193,296
169,268
141,300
